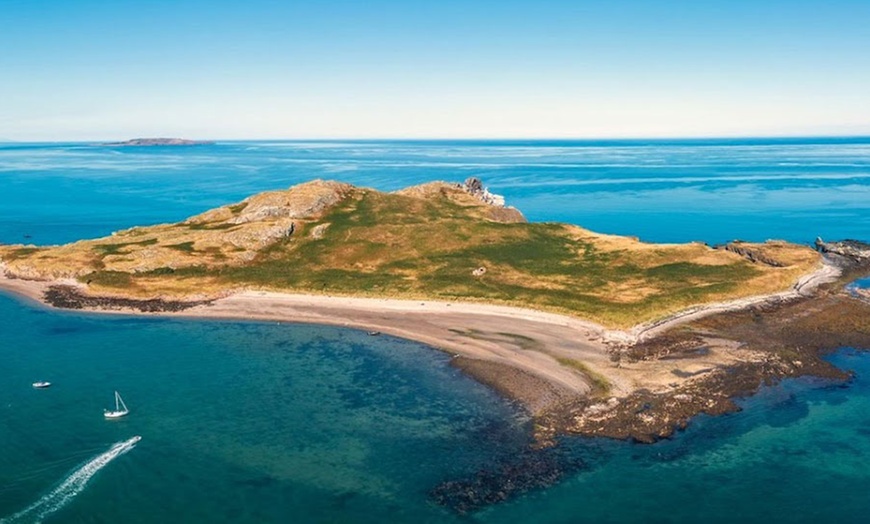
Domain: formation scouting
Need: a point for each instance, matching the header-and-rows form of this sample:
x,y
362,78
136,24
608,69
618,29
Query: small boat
x,y
41,384
120,408
374,333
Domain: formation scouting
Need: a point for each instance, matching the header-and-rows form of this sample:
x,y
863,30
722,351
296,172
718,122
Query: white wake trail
x,y
71,486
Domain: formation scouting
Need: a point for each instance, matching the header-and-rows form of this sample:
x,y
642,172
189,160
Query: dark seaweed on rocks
x,y
531,470
68,297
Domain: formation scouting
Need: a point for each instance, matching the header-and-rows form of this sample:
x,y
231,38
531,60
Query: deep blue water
x,y
266,422
664,191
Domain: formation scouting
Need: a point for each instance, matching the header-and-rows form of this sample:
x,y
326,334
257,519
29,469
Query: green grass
x,y
398,246
209,226
182,272
186,247
116,279
22,252
441,255
600,385
119,248
238,208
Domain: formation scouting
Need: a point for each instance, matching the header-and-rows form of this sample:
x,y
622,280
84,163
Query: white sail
x,y
119,400
120,408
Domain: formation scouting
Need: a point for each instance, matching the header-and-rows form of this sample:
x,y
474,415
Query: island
x,y
158,142
593,334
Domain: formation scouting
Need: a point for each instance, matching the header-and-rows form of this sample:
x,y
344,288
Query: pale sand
x,y
522,339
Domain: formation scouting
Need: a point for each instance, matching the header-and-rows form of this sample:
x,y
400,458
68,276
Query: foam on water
x,y
71,486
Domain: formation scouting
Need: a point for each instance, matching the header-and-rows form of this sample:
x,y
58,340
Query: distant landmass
x,y
160,142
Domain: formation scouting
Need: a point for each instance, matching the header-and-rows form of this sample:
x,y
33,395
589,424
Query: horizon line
x,y
102,141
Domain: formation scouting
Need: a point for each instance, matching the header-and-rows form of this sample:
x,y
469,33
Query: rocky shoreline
x,y
70,297
790,339
783,338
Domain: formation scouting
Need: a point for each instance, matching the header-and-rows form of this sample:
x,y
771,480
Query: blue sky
x,y
96,69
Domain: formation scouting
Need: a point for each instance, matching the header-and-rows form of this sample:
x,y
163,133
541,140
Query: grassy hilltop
x,y
421,242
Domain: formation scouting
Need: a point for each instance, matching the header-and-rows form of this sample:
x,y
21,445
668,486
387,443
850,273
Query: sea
x,y
266,422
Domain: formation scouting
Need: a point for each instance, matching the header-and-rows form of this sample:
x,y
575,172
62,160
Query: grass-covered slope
x,y
422,242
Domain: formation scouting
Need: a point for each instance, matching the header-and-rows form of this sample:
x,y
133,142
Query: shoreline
x,y
549,363
828,272
497,335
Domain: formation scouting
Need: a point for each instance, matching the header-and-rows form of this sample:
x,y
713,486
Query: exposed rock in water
x,y
754,255
853,250
533,469
68,297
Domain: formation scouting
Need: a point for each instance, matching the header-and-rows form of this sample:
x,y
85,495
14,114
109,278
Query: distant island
x,y
594,334
159,142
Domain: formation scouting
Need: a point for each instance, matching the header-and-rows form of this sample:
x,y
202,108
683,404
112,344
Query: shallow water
x,y
798,452
240,422
265,422
261,422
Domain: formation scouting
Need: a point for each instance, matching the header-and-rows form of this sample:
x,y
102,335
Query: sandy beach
x,y
540,359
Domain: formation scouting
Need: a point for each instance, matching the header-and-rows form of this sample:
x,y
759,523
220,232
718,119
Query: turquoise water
x,y
240,422
261,422
266,422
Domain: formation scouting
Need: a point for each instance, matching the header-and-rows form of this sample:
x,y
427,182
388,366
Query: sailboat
x,y
120,408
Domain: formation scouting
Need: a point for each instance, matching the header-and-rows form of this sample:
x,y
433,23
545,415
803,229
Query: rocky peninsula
x,y
594,334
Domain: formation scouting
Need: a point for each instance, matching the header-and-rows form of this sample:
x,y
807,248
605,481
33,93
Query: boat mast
x,y
119,402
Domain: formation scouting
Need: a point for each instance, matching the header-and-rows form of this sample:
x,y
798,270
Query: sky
x,y
261,69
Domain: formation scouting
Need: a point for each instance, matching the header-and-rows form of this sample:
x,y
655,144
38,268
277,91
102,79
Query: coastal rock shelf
x,y
70,297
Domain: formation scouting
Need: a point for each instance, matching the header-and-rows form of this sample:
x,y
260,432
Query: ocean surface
x,y
260,422
663,191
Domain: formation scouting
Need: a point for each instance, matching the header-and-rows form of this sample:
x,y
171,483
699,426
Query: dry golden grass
x,y
422,242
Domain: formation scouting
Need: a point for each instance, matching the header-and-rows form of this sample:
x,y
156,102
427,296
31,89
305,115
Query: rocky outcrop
x,y
471,193
498,211
474,187
506,215
751,253
318,231
529,470
853,250
303,201
69,297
